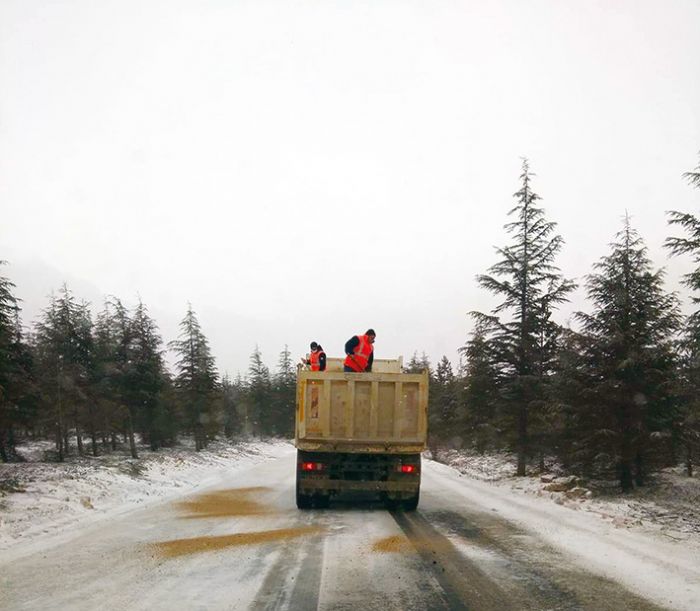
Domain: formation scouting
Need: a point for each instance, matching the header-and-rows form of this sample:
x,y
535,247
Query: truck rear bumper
x,y
359,446
309,485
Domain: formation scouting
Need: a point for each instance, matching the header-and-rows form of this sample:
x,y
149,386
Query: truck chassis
x,y
320,476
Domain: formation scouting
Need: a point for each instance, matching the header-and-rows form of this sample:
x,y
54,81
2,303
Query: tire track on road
x,y
464,585
294,580
529,569
514,571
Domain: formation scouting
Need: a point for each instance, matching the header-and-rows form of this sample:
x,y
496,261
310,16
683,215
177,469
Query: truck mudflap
x,y
311,485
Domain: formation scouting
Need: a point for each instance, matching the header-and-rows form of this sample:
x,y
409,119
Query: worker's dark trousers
x,y
347,369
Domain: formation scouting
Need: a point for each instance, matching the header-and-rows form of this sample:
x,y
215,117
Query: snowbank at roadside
x,y
667,507
40,500
656,567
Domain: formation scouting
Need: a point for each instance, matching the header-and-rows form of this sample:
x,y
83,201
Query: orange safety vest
x,y
361,354
314,358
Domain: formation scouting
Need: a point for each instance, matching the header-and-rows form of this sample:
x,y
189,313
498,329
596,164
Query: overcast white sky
x,y
304,170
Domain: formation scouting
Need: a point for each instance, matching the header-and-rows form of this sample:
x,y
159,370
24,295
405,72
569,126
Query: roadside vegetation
x,y
612,396
96,386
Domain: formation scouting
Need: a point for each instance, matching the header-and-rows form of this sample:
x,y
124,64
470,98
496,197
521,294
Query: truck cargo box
x,y
385,411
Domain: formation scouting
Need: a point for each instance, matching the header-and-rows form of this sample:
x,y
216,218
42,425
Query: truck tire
x,y
322,501
411,503
304,501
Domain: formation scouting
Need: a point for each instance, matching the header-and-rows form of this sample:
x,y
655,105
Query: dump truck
x,y
360,432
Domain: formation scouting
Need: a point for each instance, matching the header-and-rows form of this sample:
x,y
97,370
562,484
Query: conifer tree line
x,y
98,384
615,395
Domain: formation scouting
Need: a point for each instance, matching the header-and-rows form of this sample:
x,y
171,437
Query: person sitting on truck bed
x,y
317,358
360,352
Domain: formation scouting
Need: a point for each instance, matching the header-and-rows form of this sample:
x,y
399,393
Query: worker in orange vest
x,y
360,352
317,358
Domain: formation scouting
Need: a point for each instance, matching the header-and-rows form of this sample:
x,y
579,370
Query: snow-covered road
x,y
243,544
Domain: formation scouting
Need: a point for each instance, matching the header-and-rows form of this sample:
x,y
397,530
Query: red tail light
x,y
312,466
407,469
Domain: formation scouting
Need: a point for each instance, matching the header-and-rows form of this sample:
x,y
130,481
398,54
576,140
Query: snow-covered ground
x,y
537,547
42,501
597,536
668,506
39,499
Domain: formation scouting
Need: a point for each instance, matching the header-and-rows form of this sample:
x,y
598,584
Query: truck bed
x,y
381,412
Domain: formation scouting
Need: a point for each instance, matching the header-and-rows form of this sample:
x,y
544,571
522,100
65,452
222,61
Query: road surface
x,y
244,545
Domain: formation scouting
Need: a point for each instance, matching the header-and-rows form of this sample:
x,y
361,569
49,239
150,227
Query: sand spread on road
x,y
224,503
196,545
395,544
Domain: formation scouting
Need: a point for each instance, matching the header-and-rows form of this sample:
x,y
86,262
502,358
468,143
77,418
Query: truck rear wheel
x,y
322,501
304,501
411,503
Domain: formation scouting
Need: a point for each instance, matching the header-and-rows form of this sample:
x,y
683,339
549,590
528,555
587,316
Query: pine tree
x,y
531,287
571,388
629,357
106,389
688,429
693,178
65,351
230,402
481,391
259,396
284,384
443,402
9,309
122,329
418,365
23,387
445,378
242,405
687,245
147,379
196,381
